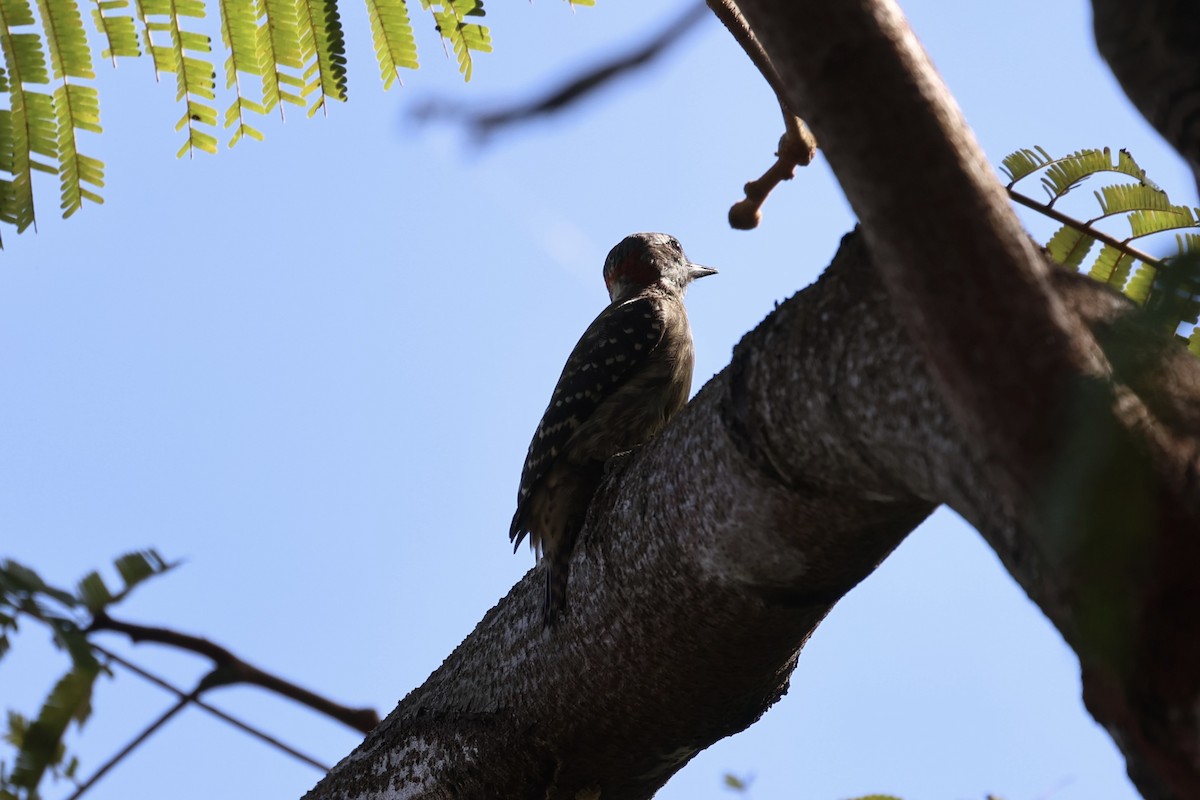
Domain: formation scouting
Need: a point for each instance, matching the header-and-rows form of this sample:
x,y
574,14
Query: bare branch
x,y
485,124
216,712
129,748
712,553
228,669
1082,227
940,358
797,146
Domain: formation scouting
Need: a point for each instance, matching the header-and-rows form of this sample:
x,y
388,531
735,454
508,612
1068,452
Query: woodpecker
x,y
630,372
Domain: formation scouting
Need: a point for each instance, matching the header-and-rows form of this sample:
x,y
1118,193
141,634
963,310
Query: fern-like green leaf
x,y
279,38
1068,246
1112,267
1064,174
1126,197
239,32
162,56
139,566
1139,286
134,568
41,745
93,592
392,32
322,41
16,578
1024,162
195,80
1148,221
16,14
42,124
30,125
76,106
1187,243
66,39
463,36
1174,298
117,29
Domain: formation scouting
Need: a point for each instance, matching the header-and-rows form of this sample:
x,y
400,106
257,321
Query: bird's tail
x,y
556,590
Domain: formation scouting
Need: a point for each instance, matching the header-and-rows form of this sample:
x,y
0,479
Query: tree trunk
x,y
940,359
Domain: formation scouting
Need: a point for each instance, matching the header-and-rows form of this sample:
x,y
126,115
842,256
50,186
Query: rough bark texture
x,y
710,556
940,359
1151,46
1094,507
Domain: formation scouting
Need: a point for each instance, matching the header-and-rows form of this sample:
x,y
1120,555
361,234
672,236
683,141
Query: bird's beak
x,y
697,271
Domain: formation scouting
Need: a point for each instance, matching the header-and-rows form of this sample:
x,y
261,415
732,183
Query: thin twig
x,y
129,748
731,17
797,146
237,723
484,124
229,669
1082,227
795,149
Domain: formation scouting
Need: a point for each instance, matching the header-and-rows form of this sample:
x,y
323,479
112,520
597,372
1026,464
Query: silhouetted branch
x,y
129,748
228,669
484,124
216,712
1083,227
1151,48
797,146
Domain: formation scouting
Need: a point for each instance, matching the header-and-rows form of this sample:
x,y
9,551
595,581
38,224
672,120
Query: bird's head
x,y
641,260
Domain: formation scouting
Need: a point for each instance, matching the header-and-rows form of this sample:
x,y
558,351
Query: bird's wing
x,y
614,346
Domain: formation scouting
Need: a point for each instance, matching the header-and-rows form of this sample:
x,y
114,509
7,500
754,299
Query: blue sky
x,y
310,368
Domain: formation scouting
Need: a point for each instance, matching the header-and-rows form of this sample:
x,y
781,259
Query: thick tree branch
x,y
966,279
706,563
1096,503
1151,47
229,669
709,557
940,358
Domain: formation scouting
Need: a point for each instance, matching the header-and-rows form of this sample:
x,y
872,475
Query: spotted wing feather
x,y
615,345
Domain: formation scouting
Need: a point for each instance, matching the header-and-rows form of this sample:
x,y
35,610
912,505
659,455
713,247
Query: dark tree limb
x,y
194,699
1097,507
940,359
709,557
229,669
1151,47
487,123
706,563
135,743
1083,227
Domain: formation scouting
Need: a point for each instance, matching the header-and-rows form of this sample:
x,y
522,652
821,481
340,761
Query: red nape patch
x,y
633,269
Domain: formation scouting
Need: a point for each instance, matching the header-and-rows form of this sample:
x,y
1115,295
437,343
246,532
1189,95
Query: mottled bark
x,y
1153,48
940,359
1095,507
710,556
